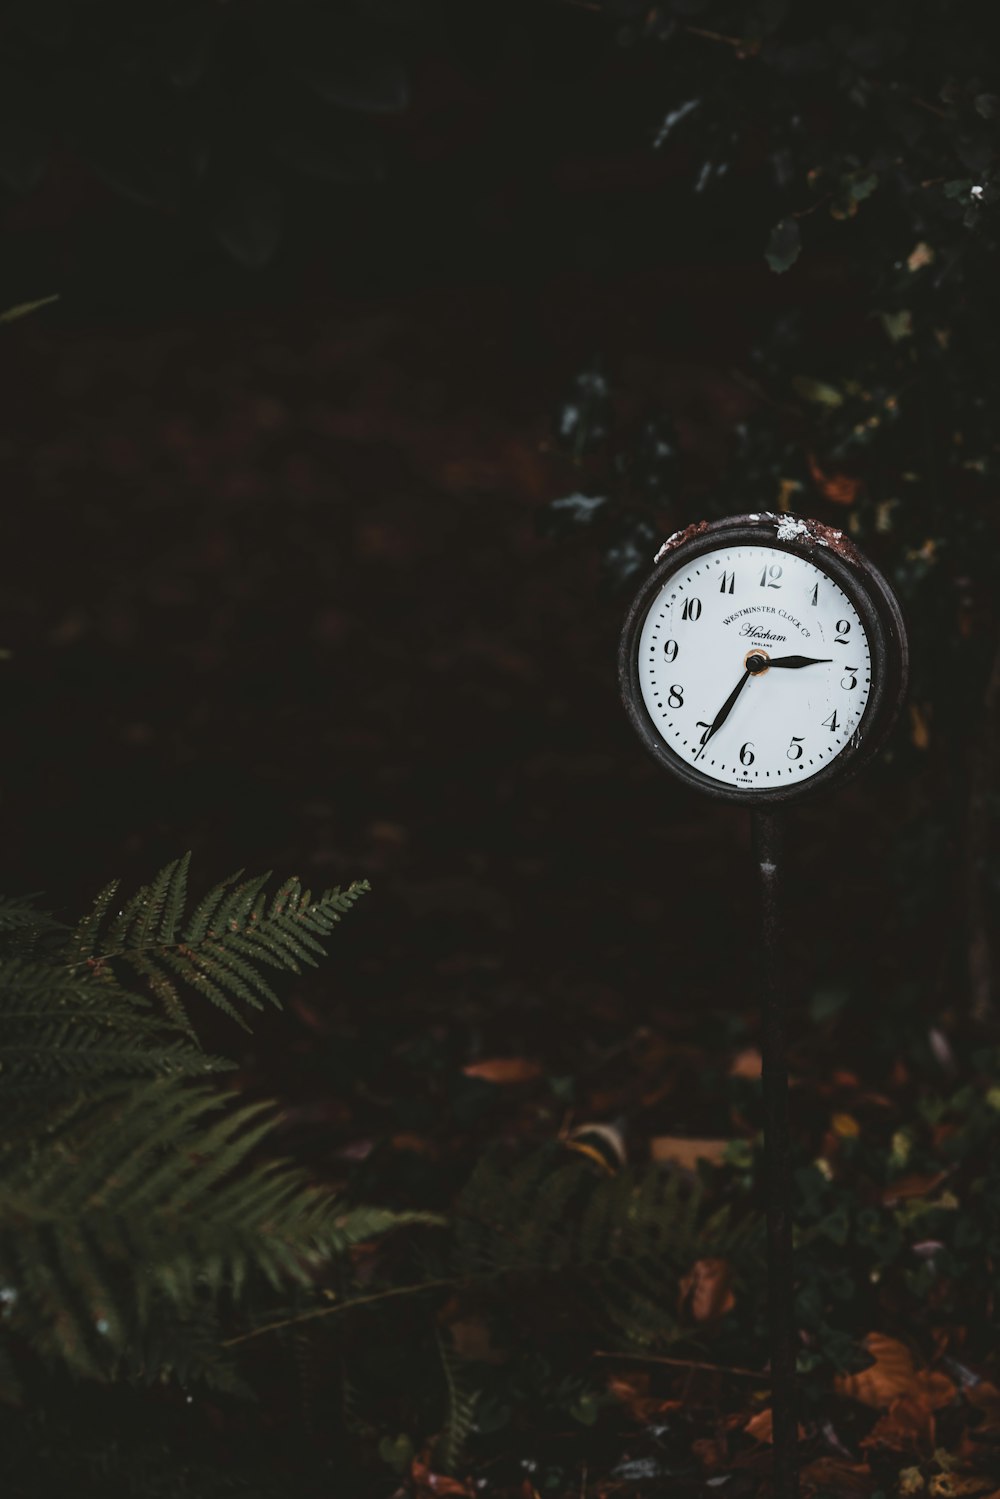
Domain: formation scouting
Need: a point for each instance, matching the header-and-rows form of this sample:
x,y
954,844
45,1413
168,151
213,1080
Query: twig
x,y
713,36
687,1363
341,1306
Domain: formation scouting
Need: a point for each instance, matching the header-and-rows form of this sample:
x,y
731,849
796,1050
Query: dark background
x,y
278,591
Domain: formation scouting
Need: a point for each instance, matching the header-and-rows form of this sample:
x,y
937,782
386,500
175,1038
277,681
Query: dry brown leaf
x,y
631,1389
603,1143
920,733
922,254
706,1292
832,1475
592,1153
504,1070
839,488
907,1426
470,1338
426,1482
687,1153
746,1063
416,1144
956,1486
892,1376
984,1397
761,1426
710,1452
913,1185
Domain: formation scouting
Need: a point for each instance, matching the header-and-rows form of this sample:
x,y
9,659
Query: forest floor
x,y
281,597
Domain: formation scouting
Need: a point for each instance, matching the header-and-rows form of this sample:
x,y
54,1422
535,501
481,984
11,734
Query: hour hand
x,y
796,661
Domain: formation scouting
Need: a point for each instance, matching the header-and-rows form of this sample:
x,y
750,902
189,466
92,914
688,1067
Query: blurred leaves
x,y
24,309
583,418
784,245
191,110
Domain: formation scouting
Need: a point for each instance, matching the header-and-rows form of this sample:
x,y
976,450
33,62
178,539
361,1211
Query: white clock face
x,y
754,666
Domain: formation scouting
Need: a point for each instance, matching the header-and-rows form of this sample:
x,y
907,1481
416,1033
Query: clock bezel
x,y
868,592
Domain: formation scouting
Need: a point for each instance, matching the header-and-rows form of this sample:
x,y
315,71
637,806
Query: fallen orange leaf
x,y
706,1290
602,1143
427,1482
831,1475
504,1070
839,488
746,1063
906,1187
632,1391
920,733
672,1150
984,1397
892,1376
907,1426
761,1426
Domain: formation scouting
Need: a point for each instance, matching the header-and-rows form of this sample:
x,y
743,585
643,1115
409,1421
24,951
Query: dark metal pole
x,y
768,830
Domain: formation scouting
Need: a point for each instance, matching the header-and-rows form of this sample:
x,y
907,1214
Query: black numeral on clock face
x,y
831,722
769,577
851,680
670,650
706,726
676,696
843,630
747,756
692,609
794,750
814,596
728,582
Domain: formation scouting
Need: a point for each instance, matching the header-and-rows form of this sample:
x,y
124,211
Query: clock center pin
x,y
756,661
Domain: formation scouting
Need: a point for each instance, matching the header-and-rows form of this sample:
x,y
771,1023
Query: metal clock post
x,y
760,597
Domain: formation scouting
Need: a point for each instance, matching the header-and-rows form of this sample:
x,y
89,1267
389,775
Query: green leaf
x,y
398,1452
22,309
898,325
784,245
817,391
861,186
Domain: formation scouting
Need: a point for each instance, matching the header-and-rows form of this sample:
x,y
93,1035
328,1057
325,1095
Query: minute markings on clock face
x,y
747,604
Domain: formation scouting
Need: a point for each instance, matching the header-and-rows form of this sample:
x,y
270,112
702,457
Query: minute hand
x,y
796,661
724,711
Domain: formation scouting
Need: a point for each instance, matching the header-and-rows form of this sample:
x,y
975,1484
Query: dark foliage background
x,y
391,338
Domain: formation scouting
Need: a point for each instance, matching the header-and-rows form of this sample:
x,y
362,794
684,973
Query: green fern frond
x,y
83,940
19,913
188,1349
59,1028
461,1399
152,1201
616,1245
219,952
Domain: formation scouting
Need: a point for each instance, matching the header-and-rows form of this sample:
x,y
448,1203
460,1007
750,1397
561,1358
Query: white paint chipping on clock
x,y
788,723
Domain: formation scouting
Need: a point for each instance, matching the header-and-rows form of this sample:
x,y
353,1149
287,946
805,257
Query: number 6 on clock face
x,y
764,659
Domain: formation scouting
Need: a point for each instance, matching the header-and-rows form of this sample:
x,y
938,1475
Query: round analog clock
x,y
764,659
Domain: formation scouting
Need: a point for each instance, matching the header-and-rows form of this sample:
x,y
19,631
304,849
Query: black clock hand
x,y
792,661
726,708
